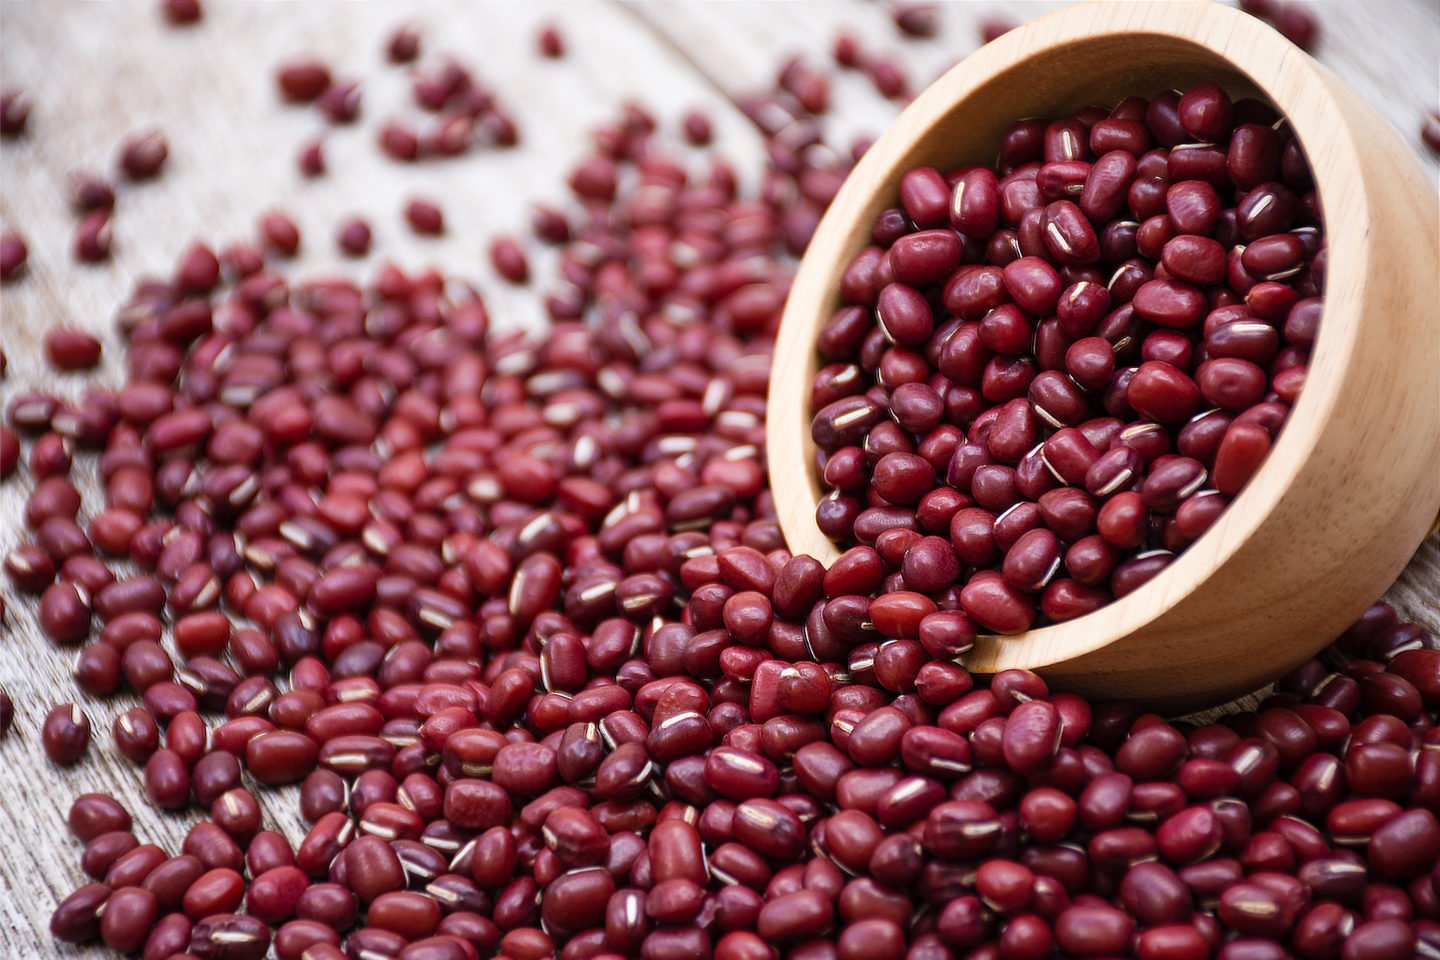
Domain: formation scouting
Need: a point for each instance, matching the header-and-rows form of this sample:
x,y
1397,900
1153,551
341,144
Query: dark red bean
x,y
167,780
1405,845
171,879
800,915
425,217
93,814
409,914
143,154
13,253
65,612
217,891
353,237
303,80
14,112
996,605
69,349
127,918
65,734
1298,25
328,903
1068,235
509,260
229,937
904,315
476,804
182,13
280,757
1163,393
77,917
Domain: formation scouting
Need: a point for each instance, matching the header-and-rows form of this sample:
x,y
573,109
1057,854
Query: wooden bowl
x,y
1353,481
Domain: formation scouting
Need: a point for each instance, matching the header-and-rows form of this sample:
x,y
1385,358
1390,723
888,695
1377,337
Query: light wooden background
x,y
97,71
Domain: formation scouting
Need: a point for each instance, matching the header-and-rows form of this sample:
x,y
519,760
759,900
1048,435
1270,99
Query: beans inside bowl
x,y
1050,376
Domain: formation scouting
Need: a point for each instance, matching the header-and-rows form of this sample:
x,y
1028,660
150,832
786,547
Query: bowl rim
x,y
1297,86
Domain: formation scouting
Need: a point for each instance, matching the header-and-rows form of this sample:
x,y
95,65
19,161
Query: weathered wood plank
x,y
98,71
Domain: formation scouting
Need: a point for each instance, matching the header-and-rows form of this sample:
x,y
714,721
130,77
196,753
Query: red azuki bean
x,y
65,612
132,867
328,903
136,734
1194,259
9,452
1106,184
217,891
1297,25
996,605
1206,112
302,80
143,154
65,734
795,916
425,217
1093,930
1190,835
769,828
926,197
1405,845
93,814
904,315
102,852
306,938
14,112
127,918
69,349
77,918
1163,393
959,829
229,936
509,260
1048,814
280,757
373,868
1068,236
1031,737
975,203
1231,384
268,851
1239,456
13,254
171,879
1255,910
182,13
476,804
169,936
1170,303
353,237
412,915
403,45
1430,131
167,780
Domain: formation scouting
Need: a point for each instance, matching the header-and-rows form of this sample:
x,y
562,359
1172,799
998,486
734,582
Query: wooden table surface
x,y
97,71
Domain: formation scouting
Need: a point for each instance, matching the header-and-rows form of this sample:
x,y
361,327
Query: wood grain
x,y
98,71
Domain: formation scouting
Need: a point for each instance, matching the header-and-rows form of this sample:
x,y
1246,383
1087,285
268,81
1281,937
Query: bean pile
x,y
1052,376
515,613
